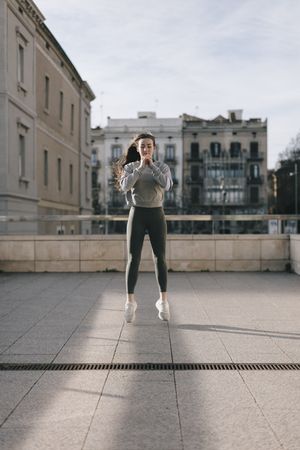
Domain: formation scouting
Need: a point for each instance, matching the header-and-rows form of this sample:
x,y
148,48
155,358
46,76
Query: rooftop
x,y
216,318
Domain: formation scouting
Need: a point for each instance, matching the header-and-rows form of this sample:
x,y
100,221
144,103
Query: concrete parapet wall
x,y
295,253
184,253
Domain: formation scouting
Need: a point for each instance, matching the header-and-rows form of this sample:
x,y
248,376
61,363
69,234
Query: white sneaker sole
x,y
163,315
130,313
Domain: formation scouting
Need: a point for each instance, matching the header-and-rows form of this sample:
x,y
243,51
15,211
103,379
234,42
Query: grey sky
x,y
201,57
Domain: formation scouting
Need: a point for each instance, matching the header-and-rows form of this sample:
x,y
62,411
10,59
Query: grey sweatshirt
x,y
145,187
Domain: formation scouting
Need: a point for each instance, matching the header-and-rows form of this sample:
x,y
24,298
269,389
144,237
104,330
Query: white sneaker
x,y
163,309
130,308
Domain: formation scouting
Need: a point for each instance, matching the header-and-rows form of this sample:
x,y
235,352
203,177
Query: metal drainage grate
x,y
149,366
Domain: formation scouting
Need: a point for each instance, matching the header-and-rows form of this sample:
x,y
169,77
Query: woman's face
x,y
146,147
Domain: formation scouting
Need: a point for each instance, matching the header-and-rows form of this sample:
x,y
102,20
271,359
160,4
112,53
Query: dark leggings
x,y
141,220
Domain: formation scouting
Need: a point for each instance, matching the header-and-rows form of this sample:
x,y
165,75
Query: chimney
x,y
235,114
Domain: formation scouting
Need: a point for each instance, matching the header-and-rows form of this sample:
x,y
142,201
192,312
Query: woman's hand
x,y
146,160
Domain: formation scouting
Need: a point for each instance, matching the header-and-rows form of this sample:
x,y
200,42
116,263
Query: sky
x,y
200,57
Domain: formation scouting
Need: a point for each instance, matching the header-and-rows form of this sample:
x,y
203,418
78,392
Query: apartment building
x,y
113,141
45,157
225,166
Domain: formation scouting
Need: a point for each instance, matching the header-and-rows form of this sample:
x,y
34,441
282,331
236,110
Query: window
x,y
234,195
236,170
72,117
47,91
86,185
194,173
254,171
253,149
22,150
116,151
86,124
195,150
59,173
254,194
173,174
61,106
216,171
21,64
94,179
71,178
170,152
169,198
235,149
195,195
215,149
94,157
45,167
117,198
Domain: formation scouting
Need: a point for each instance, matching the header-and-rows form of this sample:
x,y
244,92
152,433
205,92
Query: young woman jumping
x,y
144,182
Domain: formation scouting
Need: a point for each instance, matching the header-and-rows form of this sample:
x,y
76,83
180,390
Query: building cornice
x,y
32,11
86,87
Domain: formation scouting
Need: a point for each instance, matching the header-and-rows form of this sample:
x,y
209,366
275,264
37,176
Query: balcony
x,y
96,164
255,180
194,180
190,158
256,157
170,160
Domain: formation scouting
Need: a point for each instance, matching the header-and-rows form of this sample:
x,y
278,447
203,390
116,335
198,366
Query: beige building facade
x,y
45,123
225,166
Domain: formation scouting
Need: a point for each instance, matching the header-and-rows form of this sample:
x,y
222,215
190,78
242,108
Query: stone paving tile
x,y
137,411
286,424
84,354
218,413
57,436
14,386
203,346
29,358
59,396
275,389
259,357
278,395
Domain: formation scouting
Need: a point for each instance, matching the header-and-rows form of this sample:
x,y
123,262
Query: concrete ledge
x,y
96,253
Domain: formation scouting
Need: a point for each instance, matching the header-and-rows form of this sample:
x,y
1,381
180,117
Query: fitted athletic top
x,y
145,187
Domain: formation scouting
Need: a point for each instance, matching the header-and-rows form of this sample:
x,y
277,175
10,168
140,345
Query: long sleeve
x,y
129,177
162,175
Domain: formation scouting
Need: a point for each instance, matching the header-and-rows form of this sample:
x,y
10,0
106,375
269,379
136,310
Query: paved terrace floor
x,y
216,317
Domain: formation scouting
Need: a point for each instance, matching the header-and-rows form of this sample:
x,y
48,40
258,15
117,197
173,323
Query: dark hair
x,y
131,155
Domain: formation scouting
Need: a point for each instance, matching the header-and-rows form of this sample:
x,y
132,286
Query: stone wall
x,y
184,253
